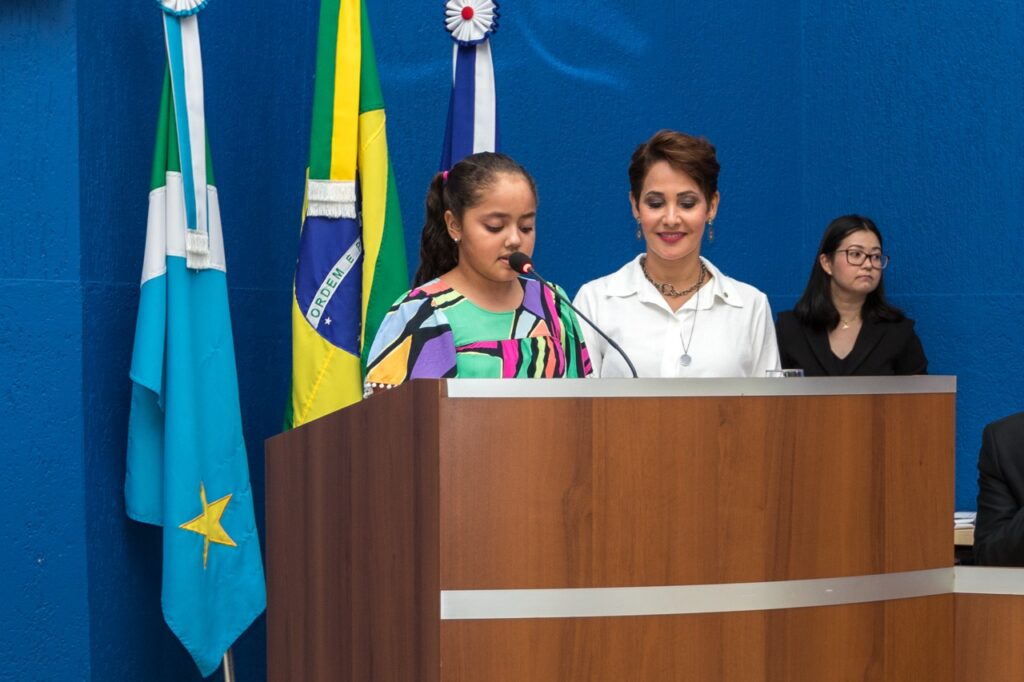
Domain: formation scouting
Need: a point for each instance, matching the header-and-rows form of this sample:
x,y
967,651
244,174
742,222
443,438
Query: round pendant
x,y
685,360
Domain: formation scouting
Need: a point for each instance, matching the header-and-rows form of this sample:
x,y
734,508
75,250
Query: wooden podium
x,y
746,529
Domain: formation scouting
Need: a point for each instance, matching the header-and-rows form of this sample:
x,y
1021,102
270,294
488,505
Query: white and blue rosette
x,y
181,8
470,22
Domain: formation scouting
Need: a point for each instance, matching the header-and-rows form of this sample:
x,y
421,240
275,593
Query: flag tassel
x,y
332,198
197,249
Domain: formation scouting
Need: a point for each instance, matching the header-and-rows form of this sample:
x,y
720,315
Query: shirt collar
x,y
629,280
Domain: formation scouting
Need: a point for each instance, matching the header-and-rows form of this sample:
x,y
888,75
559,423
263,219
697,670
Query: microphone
x,y
523,264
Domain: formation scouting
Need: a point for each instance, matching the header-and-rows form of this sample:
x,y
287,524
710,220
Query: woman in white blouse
x,y
673,312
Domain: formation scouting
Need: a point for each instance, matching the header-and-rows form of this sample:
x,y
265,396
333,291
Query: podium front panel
x,y
675,491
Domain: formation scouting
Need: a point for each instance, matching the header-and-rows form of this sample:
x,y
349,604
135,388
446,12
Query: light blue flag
x,y
187,466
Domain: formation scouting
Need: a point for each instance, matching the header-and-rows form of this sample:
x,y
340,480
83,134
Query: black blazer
x,y
881,348
999,530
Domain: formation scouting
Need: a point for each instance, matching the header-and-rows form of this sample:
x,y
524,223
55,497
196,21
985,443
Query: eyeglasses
x,y
856,257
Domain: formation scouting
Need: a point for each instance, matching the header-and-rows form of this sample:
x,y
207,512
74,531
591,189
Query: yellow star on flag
x,y
208,525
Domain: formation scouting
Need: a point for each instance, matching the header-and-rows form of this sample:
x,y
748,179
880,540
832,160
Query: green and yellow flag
x,y
351,264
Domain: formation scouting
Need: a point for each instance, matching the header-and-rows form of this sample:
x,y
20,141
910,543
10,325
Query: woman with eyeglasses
x,y
842,325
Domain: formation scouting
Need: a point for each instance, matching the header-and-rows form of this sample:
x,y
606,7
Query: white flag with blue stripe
x,y
472,108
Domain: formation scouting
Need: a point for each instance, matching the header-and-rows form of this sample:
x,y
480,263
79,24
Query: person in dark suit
x,y
999,529
842,325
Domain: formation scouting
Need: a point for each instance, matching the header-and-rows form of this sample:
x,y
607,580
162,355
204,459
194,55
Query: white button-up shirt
x,y
726,327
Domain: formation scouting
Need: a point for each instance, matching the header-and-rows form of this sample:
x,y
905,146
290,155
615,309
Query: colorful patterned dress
x,y
435,332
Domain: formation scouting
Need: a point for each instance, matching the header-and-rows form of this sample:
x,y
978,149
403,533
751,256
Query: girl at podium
x,y
843,325
469,314
673,312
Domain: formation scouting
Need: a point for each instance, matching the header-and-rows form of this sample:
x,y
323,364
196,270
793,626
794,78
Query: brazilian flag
x,y
351,265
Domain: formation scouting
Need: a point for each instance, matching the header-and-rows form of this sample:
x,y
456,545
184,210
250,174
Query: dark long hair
x,y
464,188
815,308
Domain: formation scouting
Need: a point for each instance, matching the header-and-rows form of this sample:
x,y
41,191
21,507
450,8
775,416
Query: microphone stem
x,y
586,319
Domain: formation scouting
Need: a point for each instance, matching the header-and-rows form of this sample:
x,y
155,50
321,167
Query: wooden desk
x,y
382,514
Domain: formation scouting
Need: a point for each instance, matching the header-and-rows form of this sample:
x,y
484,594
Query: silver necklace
x,y
685,359
666,289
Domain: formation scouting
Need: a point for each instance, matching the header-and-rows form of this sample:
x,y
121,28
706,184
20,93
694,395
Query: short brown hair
x,y
694,156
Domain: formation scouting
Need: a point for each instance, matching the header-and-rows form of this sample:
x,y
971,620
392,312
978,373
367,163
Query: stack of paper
x,y
964,519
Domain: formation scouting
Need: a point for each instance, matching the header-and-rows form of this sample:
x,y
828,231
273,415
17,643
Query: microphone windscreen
x,y
520,262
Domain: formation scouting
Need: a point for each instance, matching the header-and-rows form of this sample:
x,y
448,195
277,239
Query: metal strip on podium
x,y
726,597
694,388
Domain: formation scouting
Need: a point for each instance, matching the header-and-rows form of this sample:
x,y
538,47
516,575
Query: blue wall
x,y
43,603
817,108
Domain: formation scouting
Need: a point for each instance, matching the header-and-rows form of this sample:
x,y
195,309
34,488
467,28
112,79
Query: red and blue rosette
x,y
470,22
